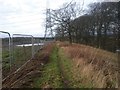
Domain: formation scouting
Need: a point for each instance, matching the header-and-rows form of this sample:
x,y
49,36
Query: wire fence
x,y
16,50
38,44
22,49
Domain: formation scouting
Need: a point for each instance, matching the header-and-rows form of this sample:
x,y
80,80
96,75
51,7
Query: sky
x,y
28,16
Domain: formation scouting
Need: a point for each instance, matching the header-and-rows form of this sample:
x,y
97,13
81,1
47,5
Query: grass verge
x,y
91,67
60,72
72,77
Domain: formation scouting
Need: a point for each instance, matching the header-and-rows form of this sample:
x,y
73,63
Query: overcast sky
x,y
27,16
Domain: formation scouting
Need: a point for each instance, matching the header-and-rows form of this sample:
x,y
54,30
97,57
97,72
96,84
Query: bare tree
x,y
62,18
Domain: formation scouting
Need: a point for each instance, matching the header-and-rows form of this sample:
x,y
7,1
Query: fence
x,y
118,57
22,49
38,43
0,63
16,50
6,52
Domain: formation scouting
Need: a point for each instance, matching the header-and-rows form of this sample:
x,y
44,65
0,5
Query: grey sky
x,y
27,16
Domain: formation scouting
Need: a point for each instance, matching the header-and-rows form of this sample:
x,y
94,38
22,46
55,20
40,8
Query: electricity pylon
x,y
48,27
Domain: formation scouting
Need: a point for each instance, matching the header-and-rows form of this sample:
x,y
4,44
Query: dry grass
x,y
97,66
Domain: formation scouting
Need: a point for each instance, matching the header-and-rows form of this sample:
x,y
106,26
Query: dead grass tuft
x,y
97,66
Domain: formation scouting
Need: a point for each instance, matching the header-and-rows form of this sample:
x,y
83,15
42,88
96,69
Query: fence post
x,y
10,53
118,59
0,63
33,52
12,47
32,46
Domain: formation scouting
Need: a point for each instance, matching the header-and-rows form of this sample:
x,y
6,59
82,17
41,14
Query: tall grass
x,y
97,66
72,78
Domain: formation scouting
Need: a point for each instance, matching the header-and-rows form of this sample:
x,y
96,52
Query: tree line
x,y
97,26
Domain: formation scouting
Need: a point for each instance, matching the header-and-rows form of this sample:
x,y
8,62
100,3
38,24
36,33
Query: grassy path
x,y
59,73
51,77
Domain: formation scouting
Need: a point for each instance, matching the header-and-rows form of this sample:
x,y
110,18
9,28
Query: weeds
x,y
60,72
70,73
97,68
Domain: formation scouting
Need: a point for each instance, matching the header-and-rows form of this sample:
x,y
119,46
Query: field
x,y
62,65
19,57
